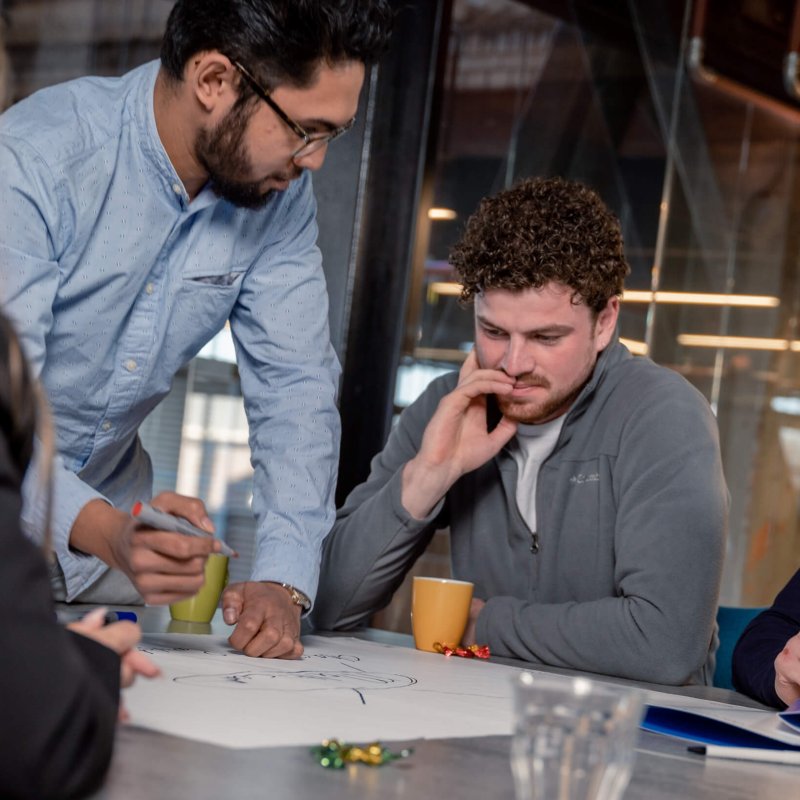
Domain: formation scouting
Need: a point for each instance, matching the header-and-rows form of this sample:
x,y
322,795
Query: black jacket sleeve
x,y
59,691
762,640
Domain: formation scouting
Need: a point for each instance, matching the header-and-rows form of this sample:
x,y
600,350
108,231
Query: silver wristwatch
x,y
298,598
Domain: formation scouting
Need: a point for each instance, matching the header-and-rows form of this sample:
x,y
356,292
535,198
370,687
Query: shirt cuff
x,y
287,556
70,495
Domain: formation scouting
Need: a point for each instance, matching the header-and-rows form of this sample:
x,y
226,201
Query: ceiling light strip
x,y
736,342
703,299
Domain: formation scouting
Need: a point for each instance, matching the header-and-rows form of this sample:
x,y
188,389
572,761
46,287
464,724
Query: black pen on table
x,y
162,521
776,756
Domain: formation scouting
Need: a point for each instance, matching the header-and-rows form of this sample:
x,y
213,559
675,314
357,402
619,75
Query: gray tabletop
x,y
153,765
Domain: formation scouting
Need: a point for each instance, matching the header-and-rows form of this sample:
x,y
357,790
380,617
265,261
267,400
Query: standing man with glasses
x,y
138,216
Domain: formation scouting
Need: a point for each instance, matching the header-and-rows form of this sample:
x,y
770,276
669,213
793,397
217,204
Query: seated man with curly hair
x,y
582,487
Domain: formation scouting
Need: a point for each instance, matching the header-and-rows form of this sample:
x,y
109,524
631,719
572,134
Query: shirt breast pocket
x,y
207,297
220,279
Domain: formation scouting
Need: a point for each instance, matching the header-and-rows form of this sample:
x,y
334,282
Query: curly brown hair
x,y
543,230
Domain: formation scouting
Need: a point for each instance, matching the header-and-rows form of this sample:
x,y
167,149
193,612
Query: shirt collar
x,y
144,117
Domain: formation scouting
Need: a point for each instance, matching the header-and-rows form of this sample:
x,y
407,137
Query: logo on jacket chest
x,y
585,477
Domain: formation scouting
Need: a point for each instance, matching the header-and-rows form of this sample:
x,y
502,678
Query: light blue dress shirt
x,y
115,280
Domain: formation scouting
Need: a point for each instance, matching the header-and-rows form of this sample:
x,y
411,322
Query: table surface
x,y
149,765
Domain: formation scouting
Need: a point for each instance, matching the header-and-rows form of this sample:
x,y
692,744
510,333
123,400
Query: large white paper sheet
x,y
345,688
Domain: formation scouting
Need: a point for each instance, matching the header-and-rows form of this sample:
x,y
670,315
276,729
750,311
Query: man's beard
x,y
222,154
530,412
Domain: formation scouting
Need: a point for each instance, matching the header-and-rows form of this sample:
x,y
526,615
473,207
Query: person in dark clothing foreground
x,y
59,689
766,660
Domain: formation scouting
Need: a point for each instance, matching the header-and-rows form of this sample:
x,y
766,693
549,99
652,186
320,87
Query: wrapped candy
x,y
333,754
473,651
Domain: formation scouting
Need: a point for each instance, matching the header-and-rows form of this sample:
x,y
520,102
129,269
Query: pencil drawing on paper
x,y
320,672
303,680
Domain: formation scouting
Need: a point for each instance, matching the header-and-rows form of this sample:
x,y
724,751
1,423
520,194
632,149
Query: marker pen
x,y
66,616
162,521
118,616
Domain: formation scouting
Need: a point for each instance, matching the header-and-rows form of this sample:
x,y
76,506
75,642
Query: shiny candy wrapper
x,y
333,754
473,651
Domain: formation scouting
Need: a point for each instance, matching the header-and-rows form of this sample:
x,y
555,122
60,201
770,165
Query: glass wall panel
x,y
705,182
527,93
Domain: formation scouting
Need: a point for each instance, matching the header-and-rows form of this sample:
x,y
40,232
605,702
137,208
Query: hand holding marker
x,y
162,521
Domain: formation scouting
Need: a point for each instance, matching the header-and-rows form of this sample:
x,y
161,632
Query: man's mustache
x,y
528,381
290,176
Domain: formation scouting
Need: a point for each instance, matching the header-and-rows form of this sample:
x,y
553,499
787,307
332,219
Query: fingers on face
x,y
503,432
470,364
484,382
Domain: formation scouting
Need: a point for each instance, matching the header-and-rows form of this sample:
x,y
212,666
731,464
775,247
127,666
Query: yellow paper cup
x,y
439,611
202,606
179,626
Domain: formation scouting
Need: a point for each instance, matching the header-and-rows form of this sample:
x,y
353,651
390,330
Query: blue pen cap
x,y
118,616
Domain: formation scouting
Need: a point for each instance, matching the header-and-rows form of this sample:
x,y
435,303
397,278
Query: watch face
x,y
298,598
301,599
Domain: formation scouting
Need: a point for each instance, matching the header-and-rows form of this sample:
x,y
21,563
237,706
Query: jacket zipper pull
x,y
534,542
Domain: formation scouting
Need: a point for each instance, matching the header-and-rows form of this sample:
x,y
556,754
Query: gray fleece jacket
x,y
621,576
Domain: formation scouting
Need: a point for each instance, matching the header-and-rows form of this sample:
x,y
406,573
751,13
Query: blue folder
x,y
700,728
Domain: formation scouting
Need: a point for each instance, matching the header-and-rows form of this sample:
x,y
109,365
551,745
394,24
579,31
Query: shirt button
x,y
106,426
177,188
149,288
130,365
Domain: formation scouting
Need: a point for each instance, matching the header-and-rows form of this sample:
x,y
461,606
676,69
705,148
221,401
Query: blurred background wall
x,y
683,115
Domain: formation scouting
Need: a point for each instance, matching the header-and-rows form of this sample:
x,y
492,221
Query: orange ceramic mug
x,y
439,611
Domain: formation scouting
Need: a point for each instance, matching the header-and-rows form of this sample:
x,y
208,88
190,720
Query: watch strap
x,y
298,597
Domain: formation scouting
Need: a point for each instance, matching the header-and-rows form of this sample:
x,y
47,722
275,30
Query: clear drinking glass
x,y
574,738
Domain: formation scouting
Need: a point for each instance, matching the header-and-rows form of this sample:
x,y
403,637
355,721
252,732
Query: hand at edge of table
x,y
267,621
121,637
787,671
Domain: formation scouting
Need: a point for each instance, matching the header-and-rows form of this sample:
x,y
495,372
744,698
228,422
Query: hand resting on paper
x,y
787,671
267,621
122,638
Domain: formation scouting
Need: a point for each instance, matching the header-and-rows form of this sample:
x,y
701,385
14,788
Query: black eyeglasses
x,y
311,141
